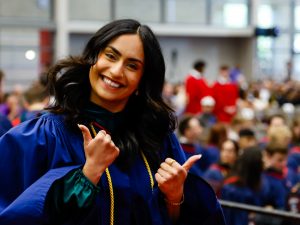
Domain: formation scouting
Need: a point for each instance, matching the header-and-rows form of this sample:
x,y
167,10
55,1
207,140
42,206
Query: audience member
x,y
36,99
246,138
226,95
275,189
179,99
216,137
244,185
196,88
219,171
190,131
207,117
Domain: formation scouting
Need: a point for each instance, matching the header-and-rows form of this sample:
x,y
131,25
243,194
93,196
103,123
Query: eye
x,y
110,56
132,66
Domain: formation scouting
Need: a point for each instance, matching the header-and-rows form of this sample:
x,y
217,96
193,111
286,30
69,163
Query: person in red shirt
x,y
196,88
225,94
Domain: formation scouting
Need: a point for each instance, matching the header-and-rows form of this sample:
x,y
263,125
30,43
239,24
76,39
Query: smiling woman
x,y
117,72
106,152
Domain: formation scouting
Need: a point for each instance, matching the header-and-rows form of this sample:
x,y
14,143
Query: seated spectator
x,y
244,185
277,120
217,172
179,99
280,135
12,107
236,124
207,117
217,135
35,98
275,189
168,93
190,130
246,138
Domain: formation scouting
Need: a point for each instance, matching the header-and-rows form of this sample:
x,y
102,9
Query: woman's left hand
x,y
171,177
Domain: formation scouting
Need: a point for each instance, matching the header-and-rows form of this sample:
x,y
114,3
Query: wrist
x,y
175,202
92,174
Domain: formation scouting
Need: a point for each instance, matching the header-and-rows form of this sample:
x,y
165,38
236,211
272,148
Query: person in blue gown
x,y
189,133
105,153
244,186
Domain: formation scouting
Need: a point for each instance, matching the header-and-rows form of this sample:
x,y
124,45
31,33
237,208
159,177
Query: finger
x,y
170,161
191,161
163,173
107,138
159,179
87,137
167,167
101,134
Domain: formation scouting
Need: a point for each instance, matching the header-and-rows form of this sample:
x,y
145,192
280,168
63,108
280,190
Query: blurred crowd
x,y
248,134
21,103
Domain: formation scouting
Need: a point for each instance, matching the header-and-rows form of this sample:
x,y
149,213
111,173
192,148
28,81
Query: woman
x,y
216,137
244,185
219,171
126,167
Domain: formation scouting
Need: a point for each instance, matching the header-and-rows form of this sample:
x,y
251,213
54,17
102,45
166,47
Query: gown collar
x,y
102,118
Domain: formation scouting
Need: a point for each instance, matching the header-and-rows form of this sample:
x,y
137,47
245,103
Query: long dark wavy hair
x,y
148,118
249,168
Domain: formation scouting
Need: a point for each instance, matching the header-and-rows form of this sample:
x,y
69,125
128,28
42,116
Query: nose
x,y
116,70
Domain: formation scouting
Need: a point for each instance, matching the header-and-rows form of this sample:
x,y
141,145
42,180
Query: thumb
x,y
87,137
191,161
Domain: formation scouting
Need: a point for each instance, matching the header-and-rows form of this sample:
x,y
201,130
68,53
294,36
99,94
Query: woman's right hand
x,y
100,152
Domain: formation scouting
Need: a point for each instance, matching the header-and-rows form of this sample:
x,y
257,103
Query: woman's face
x,y
228,154
117,72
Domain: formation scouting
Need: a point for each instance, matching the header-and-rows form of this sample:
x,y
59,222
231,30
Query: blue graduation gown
x,y
42,150
191,149
232,192
215,176
274,191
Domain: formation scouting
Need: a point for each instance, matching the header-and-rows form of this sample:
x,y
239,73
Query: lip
x,y
107,77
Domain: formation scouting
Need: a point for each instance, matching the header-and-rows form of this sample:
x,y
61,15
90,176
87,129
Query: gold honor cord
x,y
110,185
148,170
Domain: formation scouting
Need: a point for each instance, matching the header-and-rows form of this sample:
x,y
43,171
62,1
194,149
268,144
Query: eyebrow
x,y
119,54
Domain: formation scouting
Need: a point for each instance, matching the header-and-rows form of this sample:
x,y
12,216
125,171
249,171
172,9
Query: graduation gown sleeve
x,y
69,195
34,155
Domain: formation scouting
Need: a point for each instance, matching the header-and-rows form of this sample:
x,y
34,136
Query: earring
x,y
136,93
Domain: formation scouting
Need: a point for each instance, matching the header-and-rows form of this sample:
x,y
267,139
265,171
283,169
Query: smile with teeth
x,y
111,83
